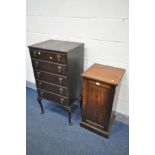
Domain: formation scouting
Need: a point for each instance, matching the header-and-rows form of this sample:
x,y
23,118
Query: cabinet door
x,y
95,102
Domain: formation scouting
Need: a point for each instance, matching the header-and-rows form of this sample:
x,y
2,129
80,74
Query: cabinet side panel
x,y
84,99
110,114
75,60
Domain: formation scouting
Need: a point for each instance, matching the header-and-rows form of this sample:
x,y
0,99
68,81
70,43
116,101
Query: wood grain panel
x,y
54,97
97,103
51,56
51,78
52,88
49,67
107,74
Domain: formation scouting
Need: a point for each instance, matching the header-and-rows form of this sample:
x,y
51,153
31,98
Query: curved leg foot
x,y
41,106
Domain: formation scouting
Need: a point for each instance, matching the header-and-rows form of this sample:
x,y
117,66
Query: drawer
x,y
50,67
52,78
99,84
51,96
48,56
52,88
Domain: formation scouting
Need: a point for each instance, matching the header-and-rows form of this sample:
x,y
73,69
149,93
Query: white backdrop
x,y
101,24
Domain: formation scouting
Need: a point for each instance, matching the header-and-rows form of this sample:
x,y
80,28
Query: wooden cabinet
x,y
57,67
98,90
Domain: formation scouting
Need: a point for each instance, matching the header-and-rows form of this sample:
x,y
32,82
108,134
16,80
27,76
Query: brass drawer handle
x,y
34,53
41,93
40,83
38,74
36,63
60,80
61,90
59,69
61,100
58,57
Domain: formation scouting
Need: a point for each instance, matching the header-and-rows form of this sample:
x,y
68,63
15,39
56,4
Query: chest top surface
x,y
56,45
103,73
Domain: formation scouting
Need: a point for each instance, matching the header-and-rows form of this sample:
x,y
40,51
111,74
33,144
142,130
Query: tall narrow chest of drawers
x,y
57,66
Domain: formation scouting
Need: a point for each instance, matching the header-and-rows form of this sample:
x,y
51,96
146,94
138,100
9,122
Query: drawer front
x,y
50,67
56,98
48,56
52,88
52,78
99,84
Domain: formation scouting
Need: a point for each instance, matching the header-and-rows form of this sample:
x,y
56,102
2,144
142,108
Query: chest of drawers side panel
x,y
75,60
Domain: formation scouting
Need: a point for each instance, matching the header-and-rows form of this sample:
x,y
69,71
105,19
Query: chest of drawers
x,y
57,66
99,83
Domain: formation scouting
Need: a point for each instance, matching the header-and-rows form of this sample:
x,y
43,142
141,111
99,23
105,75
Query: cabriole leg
x,y
40,103
69,118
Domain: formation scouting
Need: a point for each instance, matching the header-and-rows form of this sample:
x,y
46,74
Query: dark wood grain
x,y
50,77
57,66
98,100
75,61
57,45
54,97
50,56
52,88
104,73
49,67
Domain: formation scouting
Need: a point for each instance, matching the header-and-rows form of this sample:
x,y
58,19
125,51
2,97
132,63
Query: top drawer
x,y
48,56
